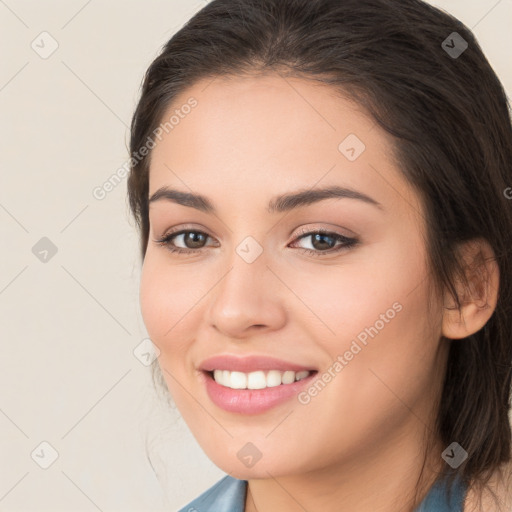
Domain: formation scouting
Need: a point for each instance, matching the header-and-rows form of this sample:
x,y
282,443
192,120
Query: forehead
x,y
268,134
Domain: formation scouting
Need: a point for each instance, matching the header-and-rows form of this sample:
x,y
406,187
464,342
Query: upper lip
x,y
249,364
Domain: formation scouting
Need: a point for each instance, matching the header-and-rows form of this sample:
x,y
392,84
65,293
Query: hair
x,y
452,139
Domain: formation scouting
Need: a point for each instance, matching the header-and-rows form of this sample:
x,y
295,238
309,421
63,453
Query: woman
x,y
323,194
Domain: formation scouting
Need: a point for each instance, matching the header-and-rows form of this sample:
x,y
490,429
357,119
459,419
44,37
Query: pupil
x,y
194,238
319,237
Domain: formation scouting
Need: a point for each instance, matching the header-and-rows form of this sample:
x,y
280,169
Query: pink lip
x,y
251,401
249,364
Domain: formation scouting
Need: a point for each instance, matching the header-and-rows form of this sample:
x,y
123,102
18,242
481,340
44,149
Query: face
x,y
318,303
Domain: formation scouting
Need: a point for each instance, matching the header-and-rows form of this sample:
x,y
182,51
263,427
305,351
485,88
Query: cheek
x,y
386,368
167,301
154,302
367,291
379,325
389,359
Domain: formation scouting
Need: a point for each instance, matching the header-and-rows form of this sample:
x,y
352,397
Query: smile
x,y
252,384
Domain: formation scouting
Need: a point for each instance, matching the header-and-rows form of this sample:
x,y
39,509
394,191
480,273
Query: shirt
x,y
228,495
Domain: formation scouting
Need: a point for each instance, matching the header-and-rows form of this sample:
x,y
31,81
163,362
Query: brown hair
x,y
449,118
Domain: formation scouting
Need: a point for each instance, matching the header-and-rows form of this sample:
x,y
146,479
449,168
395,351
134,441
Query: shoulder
x,y
227,495
496,496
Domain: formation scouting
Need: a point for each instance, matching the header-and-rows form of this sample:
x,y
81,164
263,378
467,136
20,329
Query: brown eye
x,y
322,241
193,241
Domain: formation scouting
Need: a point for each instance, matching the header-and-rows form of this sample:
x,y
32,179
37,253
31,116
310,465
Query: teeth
x,y
273,378
258,379
288,377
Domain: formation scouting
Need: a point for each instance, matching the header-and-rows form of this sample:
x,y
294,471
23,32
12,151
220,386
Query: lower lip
x,y
252,401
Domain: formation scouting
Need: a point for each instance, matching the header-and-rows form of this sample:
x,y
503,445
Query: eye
x,y
193,240
326,242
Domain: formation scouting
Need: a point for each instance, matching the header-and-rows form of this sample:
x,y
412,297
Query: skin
x,y
358,445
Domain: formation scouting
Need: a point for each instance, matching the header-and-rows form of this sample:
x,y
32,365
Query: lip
x,y
249,364
251,401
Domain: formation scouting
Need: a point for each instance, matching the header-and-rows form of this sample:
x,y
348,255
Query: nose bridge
x,y
246,295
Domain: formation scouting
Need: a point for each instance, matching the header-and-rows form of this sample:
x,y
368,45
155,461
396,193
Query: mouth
x,y
253,385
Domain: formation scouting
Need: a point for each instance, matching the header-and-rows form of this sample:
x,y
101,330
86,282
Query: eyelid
x,y
188,227
313,229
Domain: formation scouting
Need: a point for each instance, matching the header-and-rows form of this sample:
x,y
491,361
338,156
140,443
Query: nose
x,y
248,297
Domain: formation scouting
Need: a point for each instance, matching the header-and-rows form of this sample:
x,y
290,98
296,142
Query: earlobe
x,y
478,302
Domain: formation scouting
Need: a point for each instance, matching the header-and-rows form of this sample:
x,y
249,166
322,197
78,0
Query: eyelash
x,y
347,242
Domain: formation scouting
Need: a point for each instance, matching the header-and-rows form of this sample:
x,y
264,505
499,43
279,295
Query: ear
x,y
479,301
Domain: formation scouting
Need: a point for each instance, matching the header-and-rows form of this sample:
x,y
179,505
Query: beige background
x,y
68,373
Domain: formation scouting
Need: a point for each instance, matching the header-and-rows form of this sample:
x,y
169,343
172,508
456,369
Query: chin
x,y
276,466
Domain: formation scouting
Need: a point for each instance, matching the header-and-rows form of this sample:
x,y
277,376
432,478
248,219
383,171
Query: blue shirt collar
x,y
228,495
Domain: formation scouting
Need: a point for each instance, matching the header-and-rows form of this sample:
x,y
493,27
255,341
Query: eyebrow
x,y
278,204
